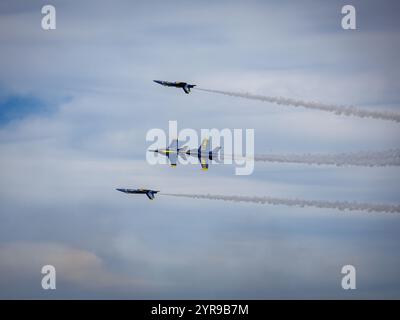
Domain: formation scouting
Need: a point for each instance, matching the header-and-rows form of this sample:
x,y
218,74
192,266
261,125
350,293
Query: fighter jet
x,y
185,86
171,152
204,154
149,193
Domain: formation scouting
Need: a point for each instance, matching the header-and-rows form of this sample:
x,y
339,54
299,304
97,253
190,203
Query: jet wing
x,y
204,163
173,145
164,83
172,157
204,145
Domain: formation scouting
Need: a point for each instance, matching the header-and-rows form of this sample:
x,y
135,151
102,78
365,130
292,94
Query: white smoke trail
x,y
337,109
345,205
362,158
384,158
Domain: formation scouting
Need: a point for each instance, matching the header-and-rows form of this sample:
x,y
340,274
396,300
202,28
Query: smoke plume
x,y
362,158
336,109
339,205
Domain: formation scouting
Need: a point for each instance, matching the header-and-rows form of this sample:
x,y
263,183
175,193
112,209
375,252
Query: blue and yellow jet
x,y
185,86
203,153
171,152
149,193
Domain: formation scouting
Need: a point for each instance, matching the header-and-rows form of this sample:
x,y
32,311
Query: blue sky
x,y
76,104
15,107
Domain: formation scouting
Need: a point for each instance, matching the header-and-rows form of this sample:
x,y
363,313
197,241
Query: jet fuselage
x,y
149,193
178,84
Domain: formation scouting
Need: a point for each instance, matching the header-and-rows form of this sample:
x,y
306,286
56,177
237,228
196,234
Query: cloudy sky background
x,y
76,104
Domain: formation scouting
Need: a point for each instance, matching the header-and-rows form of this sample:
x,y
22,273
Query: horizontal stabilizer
x,y
216,150
183,155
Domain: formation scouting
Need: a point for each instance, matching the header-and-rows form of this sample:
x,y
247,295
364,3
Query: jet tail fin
x,y
183,149
182,152
150,195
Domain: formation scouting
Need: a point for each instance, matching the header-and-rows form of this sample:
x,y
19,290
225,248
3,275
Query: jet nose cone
x,y
122,190
158,81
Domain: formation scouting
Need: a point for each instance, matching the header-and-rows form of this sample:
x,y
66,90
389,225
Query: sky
x,y
76,104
